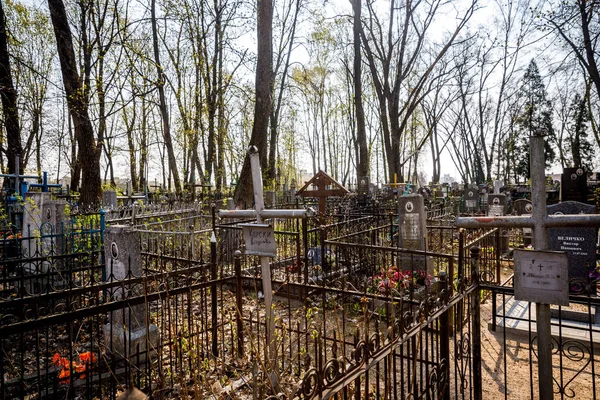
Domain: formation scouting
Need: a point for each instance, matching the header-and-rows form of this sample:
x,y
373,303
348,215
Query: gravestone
x,y
579,243
109,199
484,192
363,186
445,189
498,185
524,207
126,330
497,208
573,185
292,198
270,198
454,190
42,231
471,200
412,230
496,205
230,204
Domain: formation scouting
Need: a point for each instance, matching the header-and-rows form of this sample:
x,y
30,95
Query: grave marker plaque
x,y
541,277
260,240
579,243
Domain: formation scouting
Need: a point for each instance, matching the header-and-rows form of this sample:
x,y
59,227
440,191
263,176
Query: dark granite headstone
x,y
471,200
579,243
573,185
524,207
484,192
413,232
496,205
363,186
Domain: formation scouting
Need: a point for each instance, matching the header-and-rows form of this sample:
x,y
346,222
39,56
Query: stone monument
x,y
579,243
412,232
573,185
524,207
109,199
126,330
471,200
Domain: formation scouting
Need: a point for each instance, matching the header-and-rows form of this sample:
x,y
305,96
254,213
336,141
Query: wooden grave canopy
x,y
324,186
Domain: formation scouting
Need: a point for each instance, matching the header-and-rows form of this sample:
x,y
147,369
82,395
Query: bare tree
x,y
89,150
362,167
577,24
164,112
9,100
287,39
399,71
263,102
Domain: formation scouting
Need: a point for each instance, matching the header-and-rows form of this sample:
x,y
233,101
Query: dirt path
x,y
506,368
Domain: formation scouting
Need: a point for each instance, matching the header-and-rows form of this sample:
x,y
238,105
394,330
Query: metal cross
x,y
260,213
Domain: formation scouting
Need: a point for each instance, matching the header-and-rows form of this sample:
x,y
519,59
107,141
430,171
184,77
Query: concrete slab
x,y
519,317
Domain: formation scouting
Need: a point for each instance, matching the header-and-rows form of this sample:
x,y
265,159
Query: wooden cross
x,y
321,180
260,213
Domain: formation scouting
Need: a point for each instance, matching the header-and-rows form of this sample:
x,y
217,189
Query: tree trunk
x,y
262,107
164,112
276,109
9,100
143,146
84,132
362,165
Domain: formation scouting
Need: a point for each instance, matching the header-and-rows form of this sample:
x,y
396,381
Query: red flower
x,y
87,357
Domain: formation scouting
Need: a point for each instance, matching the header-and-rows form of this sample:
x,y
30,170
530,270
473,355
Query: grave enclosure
x,y
161,298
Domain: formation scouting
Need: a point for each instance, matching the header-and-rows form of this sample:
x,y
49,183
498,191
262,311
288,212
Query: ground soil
x,y
508,373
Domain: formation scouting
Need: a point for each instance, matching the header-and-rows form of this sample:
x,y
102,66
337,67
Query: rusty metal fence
x,y
356,317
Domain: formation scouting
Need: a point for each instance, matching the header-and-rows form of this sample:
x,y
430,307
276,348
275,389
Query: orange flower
x,y
71,366
87,357
64,374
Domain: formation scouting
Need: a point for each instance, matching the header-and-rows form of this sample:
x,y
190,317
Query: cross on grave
x,y
260,213
540,222
321,180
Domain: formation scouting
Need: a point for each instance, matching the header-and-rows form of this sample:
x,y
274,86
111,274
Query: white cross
x,y
260,213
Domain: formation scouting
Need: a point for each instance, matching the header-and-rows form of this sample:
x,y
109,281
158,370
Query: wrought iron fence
x,y
190,320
